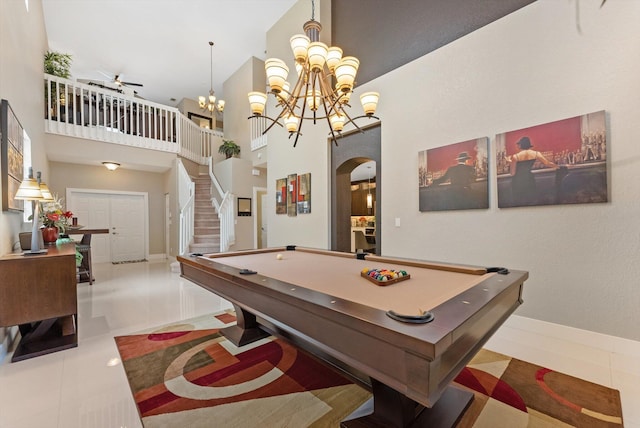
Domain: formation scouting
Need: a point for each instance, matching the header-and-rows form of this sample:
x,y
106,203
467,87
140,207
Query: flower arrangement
x,y
53,214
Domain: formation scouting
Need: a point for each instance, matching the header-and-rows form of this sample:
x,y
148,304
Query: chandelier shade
x,y
209,103
325,82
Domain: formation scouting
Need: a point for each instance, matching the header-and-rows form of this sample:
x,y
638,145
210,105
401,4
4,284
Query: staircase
x,y
206,226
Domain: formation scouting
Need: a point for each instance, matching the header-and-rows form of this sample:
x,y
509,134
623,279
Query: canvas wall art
x,y
561,162
11,157
281,196
304,193
454,177
292,195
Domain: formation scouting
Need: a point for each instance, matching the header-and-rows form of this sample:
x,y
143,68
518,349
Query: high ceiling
x,y
162,44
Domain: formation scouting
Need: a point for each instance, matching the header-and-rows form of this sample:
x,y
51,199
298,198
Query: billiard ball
x,y
279,257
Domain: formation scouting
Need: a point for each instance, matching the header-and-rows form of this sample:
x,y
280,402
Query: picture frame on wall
x,y
292,195
200,120
304,193
244,207
281,196
11,157
560,162
454,177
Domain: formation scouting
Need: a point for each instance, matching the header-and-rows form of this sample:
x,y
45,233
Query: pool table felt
x,y
340,277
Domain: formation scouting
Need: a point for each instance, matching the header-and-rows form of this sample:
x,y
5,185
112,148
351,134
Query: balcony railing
x,y
100,113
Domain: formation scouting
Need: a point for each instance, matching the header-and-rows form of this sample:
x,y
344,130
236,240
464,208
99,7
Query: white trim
x,y
254,213
145,196
161,256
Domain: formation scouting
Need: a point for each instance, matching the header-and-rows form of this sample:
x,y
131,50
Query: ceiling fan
x,y
118,81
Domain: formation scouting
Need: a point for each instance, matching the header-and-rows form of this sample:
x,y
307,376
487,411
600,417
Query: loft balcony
x,y
110,115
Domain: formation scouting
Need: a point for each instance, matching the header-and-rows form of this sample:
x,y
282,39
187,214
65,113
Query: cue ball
x,y
279,257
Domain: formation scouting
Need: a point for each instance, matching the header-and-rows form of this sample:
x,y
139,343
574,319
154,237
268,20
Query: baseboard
x,y
592,339
160,256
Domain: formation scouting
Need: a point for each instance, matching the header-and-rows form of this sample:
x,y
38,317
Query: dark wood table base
x,y
392,409
46,336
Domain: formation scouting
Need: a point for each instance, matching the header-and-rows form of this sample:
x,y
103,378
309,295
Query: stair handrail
x,y
224,208
186,207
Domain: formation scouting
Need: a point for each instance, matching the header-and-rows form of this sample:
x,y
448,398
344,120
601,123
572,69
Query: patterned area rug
x,y
188,375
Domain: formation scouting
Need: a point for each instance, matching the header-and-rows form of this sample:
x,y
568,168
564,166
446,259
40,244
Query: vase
x,y
50,235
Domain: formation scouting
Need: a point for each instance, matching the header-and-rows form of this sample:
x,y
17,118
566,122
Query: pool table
x,y
319,298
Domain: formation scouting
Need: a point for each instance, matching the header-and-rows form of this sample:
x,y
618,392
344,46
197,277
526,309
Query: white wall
x,y
23,43
531,67
312,151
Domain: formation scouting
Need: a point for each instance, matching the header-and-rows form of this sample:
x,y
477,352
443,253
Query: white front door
x,y
127,228
124,214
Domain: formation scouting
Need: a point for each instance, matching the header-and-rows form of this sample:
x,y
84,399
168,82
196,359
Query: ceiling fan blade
x,y
132,84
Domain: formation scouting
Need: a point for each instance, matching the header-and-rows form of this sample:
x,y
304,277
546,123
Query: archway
x,y
354,149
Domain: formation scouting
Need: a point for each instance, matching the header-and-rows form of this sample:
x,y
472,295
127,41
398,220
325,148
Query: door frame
x,y
256,207
145,196
355,148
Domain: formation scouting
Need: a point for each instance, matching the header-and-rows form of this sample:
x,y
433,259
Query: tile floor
x,y
79,388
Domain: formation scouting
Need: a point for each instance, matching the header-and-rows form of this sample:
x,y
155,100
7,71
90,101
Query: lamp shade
x,y
369,102
220,106
313,99
334,55
202,101
346,73
277,72
317,56
337,122
300,46
29,190
291,123
257,100
46,193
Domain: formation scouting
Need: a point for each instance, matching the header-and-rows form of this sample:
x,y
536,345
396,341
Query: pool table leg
x,y
393,409
246,330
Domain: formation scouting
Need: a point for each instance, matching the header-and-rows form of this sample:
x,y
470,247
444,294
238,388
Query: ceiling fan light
x,y
257,100
300,46
369,102
334,55
346,73
317,56
277,72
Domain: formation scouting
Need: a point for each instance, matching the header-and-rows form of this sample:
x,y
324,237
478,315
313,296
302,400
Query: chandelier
x,y
209,103
323,90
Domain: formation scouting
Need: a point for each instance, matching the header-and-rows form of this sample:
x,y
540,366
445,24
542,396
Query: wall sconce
x,y
111,166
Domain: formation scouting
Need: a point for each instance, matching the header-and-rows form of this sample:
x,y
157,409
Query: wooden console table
x,y
38,294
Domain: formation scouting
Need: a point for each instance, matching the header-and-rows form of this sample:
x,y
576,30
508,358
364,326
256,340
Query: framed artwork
x,y
304,193
292,193
201,121
244,207
454,177
561,162
11,159
281,196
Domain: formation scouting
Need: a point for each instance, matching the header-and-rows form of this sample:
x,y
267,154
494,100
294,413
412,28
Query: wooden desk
x,y
85,265
38,294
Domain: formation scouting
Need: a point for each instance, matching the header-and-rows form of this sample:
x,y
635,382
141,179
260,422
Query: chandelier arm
x,y
304,107
326,112
266,117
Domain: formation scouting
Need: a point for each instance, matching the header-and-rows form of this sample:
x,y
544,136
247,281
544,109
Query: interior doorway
x,y
354,149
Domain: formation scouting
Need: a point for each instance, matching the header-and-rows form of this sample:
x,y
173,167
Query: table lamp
x,y
31,190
